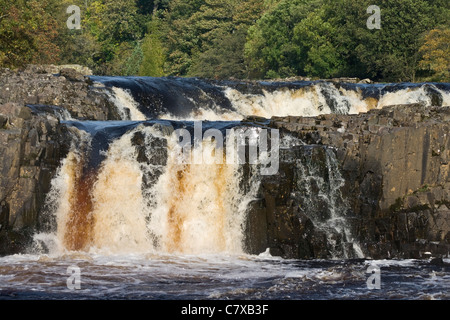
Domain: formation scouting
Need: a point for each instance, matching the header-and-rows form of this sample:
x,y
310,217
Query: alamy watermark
x,y
236,147
374,21
74,280
74,21
374,280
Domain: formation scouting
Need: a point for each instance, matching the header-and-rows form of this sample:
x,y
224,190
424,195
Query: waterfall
x,y
196,99
198,208
123,187
140,197
323,98
127,107
318,189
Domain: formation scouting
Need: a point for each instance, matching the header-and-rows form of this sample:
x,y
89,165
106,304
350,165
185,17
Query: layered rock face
x,y
395,166
63,87
33,143
31,148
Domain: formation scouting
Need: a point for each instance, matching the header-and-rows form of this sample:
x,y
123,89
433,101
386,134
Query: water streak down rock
x,y
31,148
395,162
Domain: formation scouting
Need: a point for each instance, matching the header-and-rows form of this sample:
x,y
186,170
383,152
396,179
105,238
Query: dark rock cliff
x,y
33,142
31,148
396,166
67,88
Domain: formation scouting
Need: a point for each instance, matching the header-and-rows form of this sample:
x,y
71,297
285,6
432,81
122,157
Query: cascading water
x,y
127,107
141,223
195,99
118,196
122,195
318,188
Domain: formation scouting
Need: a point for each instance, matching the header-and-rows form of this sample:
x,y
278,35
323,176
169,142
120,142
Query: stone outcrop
x,y
396,166
64,87
33,142
31,148
56,69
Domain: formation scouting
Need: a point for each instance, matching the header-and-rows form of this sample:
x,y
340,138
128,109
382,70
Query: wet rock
x,y
435,95
256,240
437,261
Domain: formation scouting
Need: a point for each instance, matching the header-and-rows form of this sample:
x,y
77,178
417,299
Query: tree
x,y
224,26
315,36
436,54
134,61
224,59
27,33
77,46
180,35
391,53
232,38
326,38
153,52
152,7
270,50
116,25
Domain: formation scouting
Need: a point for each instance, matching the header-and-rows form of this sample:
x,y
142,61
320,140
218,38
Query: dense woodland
x,y
244,39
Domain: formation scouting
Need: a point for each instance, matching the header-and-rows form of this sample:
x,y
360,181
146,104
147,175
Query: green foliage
x,y
224,59
233,38
153,53
330,38
220,53
206,37
134,62
391,53
270,50
436,54
315,37
27,33
115,25
181,36
151,7
114,21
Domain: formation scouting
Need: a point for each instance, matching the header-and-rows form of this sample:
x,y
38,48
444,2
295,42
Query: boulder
x,y
72,75
65,87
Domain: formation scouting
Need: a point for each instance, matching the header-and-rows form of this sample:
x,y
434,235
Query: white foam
x,y
118,204
126,105
405,96
199,208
